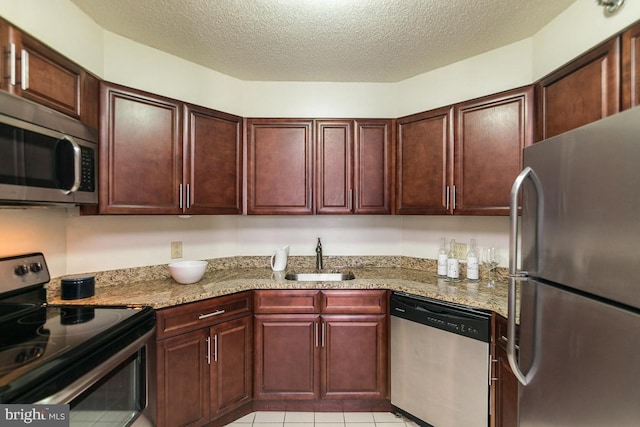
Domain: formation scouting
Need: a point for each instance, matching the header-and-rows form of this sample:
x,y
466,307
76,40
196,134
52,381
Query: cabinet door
x,y
334,160
354,357
423,162
490,135
183,380
34,71
372,166
581,92
504,385
231,365
212,162
279,166
286,356
631,67
140,153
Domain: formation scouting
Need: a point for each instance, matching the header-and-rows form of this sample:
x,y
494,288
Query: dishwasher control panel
x,y
455,318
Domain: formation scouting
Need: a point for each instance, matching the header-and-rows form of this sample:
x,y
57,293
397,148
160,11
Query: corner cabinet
x,y
490,134
204,360
462,159
581,92
157,156
504,384
321,350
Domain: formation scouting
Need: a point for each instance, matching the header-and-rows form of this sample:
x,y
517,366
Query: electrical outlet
x,y
176,250
460,249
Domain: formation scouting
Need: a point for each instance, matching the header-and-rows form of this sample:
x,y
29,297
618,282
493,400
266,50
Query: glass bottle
x,y
442,258
453,272
473,272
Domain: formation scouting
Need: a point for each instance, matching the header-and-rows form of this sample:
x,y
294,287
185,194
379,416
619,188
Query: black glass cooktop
x,y
46,342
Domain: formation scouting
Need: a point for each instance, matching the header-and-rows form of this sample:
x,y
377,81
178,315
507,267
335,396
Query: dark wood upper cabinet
x,y
34,71
334,163
463,159
150,164
373,166
212,162
580,92
491,133
631,67
423,162
279,166
140,152
353,166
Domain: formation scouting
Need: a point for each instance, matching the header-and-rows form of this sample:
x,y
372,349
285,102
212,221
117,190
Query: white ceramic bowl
x,y
185,272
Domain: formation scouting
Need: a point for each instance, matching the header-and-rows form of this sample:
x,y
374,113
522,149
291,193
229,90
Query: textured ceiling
x,y
324,40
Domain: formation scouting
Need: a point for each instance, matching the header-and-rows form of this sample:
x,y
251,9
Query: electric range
x,y
46,349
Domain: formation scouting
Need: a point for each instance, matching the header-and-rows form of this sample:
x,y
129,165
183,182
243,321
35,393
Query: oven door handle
x,y
78,387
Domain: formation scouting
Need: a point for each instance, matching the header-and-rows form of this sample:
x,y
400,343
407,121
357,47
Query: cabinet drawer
x,y
287,301
500,332
354,301
176,320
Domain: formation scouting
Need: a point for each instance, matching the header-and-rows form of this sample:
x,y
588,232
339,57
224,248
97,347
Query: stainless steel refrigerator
x,y
575,261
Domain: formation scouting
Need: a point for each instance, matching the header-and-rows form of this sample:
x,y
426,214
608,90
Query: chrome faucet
x,y
319,255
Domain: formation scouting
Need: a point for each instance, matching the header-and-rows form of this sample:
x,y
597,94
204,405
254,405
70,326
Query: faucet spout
x,y
319,255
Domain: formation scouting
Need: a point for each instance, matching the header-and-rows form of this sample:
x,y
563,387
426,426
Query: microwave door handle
x,y
77,164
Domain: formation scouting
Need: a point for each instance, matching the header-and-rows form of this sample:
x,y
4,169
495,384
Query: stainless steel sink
x,y
320,277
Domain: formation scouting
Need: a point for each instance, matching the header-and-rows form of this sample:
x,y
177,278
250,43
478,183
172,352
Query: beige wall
x,y
75,244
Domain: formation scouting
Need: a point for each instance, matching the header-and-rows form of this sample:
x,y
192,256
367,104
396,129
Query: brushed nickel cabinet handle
x,y
12,64
447,198
215,313
208,350
25,70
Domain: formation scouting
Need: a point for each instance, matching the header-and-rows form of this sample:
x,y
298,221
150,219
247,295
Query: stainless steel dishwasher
x,y
440,361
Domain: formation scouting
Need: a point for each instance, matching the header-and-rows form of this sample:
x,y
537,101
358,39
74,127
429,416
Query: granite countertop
x,y
152,286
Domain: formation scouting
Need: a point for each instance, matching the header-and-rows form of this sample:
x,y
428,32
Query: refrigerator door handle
x,y
514,274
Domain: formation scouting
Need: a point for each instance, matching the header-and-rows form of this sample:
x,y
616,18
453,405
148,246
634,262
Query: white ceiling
x,y
324,40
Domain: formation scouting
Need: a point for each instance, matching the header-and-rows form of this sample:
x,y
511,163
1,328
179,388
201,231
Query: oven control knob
x,y
36,267
21,270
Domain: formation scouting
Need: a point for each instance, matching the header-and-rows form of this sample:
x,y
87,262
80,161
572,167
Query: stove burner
x,y
73,316
81,322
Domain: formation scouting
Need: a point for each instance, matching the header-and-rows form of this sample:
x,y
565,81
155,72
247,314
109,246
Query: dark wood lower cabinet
x,y
231,365
183,381
204,361
286,356
354,357
204,374
321,360
504,384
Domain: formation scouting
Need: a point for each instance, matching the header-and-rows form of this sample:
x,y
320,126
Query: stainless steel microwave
x,y
45,156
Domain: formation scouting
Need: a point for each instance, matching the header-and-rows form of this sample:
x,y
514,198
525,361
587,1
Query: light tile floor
x,y
322,419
